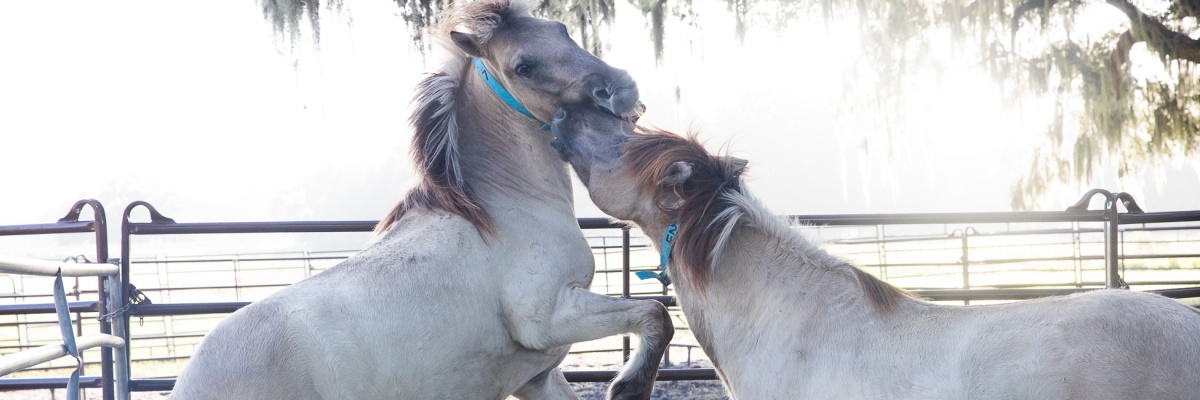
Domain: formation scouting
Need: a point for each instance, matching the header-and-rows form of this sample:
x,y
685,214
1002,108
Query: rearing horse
x,y
478,284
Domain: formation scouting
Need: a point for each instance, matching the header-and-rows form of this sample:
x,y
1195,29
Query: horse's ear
x,y
466,43
678,172
736,165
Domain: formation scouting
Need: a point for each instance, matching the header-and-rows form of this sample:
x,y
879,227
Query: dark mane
x,y
435,153
710,208
699,214
881,295
435,123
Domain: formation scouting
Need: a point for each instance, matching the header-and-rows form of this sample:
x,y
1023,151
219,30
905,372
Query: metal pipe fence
x,y
963,256
71,223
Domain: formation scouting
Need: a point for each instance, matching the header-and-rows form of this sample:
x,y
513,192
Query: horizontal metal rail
x,y
33,266
48,308
688,374
28,358
48,229
138,337
157,310
177,228
669,374
231,259
47,383
1160,217
951,218
958,236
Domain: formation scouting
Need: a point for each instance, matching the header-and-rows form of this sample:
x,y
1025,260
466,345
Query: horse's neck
x,y
766,267
508,161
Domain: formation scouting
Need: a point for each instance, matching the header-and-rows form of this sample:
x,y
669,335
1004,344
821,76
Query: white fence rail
x,y
28,358
33,266
71,345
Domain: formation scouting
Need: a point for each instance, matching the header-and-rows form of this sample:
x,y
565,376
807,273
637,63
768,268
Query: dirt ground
x,y
684,390
689,390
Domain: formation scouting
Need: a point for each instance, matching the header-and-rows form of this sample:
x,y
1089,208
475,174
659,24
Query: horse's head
x,y
538,63
641,175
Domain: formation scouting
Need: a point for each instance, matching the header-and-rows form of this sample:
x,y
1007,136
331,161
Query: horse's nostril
x,y
601,94
560,114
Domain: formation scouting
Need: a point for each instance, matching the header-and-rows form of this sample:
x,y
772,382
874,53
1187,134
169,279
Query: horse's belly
x,y
332,347
467,355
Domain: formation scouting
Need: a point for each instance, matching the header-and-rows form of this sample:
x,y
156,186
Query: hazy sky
x,y
199,109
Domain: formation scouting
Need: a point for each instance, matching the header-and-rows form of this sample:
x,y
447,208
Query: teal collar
x,y
664,255
503,93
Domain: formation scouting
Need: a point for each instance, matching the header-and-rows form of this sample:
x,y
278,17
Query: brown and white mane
x,y
435,125
713,202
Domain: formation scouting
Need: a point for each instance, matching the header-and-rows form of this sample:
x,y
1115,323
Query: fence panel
x,y
947,257
106,279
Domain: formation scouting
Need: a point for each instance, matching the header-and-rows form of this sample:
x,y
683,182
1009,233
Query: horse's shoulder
x,y
431,228
419,252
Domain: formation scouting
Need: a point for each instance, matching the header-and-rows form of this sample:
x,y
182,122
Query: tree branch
x,y
1186,8
1159,37
1023,8
1120,56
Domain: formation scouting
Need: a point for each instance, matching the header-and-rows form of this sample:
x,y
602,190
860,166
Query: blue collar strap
x,y
501,92
664,255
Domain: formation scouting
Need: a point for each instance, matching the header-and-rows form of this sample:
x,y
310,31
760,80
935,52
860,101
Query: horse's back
x,y
1136,345
1099,345
378,325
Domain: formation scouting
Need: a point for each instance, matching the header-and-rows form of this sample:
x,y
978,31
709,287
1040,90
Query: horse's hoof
x,y
630,390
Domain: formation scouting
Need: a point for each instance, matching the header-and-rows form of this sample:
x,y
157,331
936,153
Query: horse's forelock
x,y
483,18
706,218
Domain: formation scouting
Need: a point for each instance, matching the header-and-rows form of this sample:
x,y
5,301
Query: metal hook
x,y
1126,199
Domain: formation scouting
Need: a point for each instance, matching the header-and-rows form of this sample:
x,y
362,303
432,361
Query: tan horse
x,y
479,282
783,319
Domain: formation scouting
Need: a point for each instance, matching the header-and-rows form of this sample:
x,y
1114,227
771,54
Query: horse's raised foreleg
x,y
549,385
580,315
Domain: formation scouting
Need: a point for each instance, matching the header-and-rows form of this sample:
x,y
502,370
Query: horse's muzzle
x,y
560,132
621,101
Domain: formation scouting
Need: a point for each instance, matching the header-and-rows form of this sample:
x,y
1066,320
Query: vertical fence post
x,y
120,320
1078,252
78,289
1112,223
883,252
237,288
1121,257
625,285
121,364
99,227
966,263
308,268
1112,278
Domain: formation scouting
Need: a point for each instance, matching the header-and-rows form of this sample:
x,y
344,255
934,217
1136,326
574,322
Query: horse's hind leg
x,y
549,385
582,315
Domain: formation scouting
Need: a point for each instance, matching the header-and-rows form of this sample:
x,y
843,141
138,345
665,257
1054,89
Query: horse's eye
x,y
524,70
